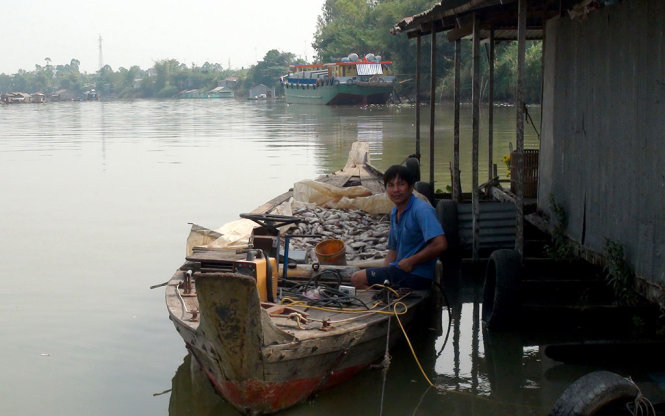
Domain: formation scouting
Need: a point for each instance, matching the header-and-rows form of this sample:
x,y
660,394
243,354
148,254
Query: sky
x,y
142,32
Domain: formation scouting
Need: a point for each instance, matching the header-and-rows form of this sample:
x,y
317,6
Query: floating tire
x,y
425,188
446,212
413,166
600,392
501,298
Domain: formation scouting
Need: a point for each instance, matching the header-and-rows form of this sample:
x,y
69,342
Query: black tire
x,y
424,188
446,212
413,166
501,297
595,392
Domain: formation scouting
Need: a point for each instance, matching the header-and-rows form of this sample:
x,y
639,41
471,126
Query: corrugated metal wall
x,y
603,142
497,223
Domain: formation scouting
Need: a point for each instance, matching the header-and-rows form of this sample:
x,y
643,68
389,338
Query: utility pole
x,y
101,57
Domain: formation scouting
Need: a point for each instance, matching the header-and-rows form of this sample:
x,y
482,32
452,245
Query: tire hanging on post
x,y
501,293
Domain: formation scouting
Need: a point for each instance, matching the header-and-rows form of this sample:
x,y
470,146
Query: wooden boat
x,y
349,81
264,354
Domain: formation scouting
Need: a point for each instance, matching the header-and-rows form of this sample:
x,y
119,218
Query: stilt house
x,y
602,148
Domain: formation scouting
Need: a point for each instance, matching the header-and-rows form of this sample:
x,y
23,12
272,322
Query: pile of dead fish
x,y
365,236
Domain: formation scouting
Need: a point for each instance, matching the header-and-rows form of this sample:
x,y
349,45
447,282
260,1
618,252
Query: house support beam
x,y
519,142
418,43
457,182
475,99
490,110
432,96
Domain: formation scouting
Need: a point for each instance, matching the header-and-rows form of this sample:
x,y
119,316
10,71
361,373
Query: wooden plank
x,y
459,32
490,110
336,180
215,256
519,104
475,92
457,184
432,105
270,205
375,185
418,44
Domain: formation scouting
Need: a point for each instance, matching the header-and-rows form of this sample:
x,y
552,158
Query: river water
x,y
96,201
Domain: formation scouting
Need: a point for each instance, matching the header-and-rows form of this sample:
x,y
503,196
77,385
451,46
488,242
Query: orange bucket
x,y
331,252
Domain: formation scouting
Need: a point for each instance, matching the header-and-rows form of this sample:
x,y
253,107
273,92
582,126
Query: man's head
x,y
398,171
399,184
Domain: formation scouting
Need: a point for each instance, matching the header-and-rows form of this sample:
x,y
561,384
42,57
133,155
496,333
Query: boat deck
x,y
184,307
299,319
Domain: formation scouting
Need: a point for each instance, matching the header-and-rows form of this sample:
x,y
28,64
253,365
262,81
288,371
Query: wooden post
x,y
490,105
519,142
432,103
457,183
418,42
475,99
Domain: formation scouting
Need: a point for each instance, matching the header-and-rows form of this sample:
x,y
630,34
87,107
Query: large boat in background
x,y
350,81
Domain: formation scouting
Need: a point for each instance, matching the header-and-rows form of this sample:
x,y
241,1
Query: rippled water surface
x,y
96,200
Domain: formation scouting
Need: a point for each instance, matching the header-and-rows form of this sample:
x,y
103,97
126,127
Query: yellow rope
x,y
287,301
443,389
413,352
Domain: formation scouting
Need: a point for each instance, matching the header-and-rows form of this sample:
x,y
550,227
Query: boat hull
x,y
265,397
340,94
261,369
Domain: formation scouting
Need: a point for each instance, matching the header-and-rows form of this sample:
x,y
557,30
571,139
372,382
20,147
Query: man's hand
x,y
390,257
433,249
406,265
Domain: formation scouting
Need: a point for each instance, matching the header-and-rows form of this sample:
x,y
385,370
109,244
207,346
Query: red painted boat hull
x,y
268,397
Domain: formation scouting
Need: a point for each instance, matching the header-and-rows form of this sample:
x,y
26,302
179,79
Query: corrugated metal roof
x,y
500,15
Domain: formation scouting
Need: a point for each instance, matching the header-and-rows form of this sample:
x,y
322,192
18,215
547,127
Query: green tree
x,y
344,27
271,68
363,26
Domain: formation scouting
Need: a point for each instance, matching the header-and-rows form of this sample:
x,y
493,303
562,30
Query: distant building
x,y
261,91
37,97
64,95
221,92
16,98
218,92
228,82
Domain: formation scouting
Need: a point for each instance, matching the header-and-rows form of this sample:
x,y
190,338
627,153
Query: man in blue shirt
x,y
416,238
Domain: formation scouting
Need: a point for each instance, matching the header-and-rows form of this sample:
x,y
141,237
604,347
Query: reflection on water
x,y
96,201
479,373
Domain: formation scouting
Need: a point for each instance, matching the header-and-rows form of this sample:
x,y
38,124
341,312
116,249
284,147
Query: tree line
x,y
344,26
166,78
363,26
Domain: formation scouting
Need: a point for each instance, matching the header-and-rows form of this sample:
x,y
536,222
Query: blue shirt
x,y
416,227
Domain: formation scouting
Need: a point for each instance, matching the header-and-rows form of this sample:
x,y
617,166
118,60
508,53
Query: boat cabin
x,y
368,69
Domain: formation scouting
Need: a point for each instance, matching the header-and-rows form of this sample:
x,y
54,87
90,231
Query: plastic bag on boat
x,y
373,204
353,197
322,193
330,196
234,234
199,236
